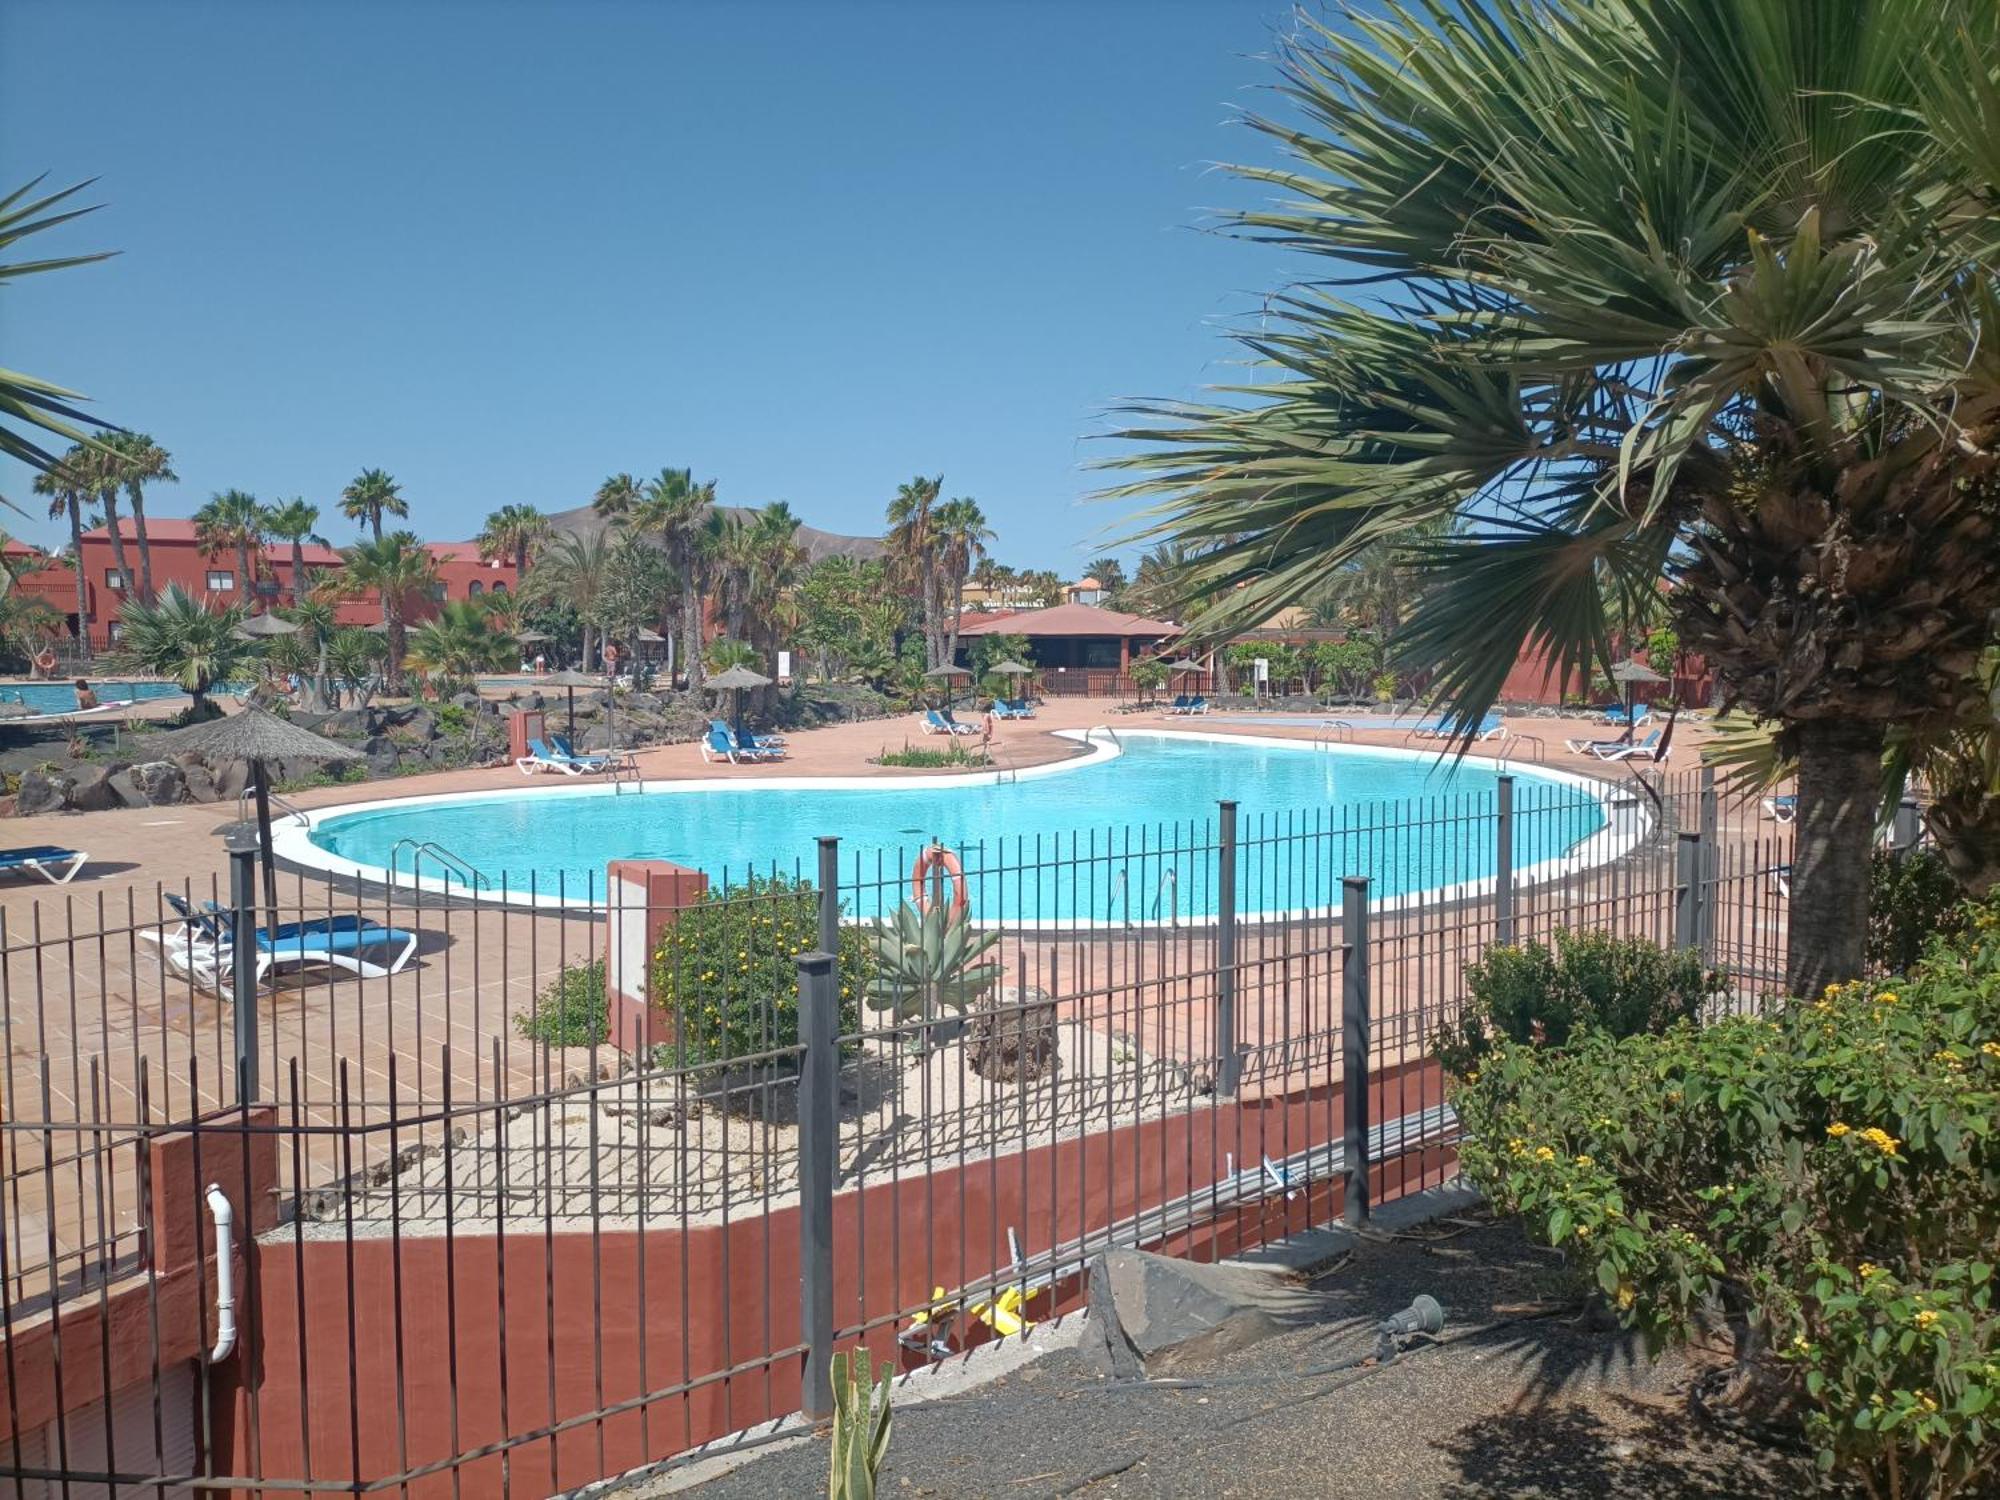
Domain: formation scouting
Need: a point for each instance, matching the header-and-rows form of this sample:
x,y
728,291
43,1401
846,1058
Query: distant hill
x,y
583,521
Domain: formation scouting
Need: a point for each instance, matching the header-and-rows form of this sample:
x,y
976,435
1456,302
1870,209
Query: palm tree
x,y
369,497
675,507
37,403
512,532
576,570
352,657
234,519
67,489
395,568
962,535
459,642
295,521
180,637
101,471
142,462
1110,575
913,554
616,497
313,610
1668,287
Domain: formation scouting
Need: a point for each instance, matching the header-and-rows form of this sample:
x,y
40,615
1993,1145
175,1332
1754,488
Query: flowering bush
x,y
1827,1175
726,972
1536,994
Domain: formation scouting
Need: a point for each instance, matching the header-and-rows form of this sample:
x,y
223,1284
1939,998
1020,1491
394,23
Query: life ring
x,y
46,661
940,858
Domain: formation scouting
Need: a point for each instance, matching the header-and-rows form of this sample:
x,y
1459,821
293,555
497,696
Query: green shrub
x,y
452,719
1912,899
1534,994
924,757
726,972
571,1011
1829,1176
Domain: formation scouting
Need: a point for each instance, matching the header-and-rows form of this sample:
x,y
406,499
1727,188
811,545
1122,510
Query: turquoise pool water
x,y
1125,838
60,697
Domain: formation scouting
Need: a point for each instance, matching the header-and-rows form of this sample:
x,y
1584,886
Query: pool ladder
x,y
420,847
1167,893
246,805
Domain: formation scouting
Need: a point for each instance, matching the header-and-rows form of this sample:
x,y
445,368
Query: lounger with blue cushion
x,y
1445,727
203,946
595,760
746,738
721,745
942,723
44,860
1184,704
1021,707
1784,807
956,727
1006,708
1650,748
1632,718
544,757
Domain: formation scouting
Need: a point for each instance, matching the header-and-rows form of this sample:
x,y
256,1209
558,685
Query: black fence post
x,y
829,895
819,1081
1687,891
1711,885
243,965
1355,1009
1228,1061
1503,865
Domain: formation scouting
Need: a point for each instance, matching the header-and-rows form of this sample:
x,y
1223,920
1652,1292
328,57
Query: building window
x,y
117,632
474,589
221,580
437,593
499,587
113,579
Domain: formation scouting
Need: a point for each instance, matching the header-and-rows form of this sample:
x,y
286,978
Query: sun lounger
x,y
1650,748
1183,704
203,946
541,757
595,760
747,739
721,745
1617,713
1444,727
939,723
44,860
1011,708
956,726
1783,808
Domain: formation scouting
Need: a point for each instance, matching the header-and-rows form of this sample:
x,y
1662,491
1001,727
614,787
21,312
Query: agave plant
x,y
860,1428
927,959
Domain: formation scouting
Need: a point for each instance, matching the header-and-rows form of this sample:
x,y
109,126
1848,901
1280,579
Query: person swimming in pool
x,y
85,698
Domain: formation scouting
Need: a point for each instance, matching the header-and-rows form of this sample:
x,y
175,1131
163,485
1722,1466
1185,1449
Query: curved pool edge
x,y
1627,822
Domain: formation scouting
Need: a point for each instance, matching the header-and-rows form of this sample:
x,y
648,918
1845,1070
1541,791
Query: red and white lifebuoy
x,y
46,662
937,857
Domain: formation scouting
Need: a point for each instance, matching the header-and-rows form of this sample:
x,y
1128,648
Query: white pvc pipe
x,y
225,1277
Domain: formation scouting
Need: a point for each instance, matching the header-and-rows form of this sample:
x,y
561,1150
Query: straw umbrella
x,y
946,673
258,626
570,680
1185,664
735,680
1011,668
1626,673
256,736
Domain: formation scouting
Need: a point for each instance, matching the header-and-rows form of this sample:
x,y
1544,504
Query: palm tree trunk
x,y
375,520
396,646
145,547
691,635
82,583
298,566
957,609
109,500
243,579
1840,779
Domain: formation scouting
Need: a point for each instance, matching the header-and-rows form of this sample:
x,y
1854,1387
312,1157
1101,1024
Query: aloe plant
x,y
860,1428
925,959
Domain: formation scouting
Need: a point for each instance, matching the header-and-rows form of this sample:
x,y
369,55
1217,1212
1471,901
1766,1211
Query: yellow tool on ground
x,y
929,1330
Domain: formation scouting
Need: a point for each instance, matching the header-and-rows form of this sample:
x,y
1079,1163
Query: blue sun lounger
x,y
745,739
594,760
43,860
1011,708
203,947
721,745
936,722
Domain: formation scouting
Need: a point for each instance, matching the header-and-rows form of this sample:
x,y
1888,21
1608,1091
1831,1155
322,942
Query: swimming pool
x,y
60,697
1125,834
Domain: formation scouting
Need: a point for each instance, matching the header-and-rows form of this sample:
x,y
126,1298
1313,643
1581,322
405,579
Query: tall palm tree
x,y
27,401
1110,575
1702,287
234,519
616,497
296,521
576,569
143,461
675,508
512,532
102,467
913,554
396,568
370,496
962,535
67,490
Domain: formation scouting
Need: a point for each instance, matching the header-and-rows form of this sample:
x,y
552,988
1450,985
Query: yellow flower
x,y
1881,1140
1515,1146
1543,1153
1887,997
1799,1343
1926,1400
1837,1129
1583,1231
1584,1161
1926,1319
1473,1076
1991,1049
1868,1268
1833,989
1673,1096
1625,1295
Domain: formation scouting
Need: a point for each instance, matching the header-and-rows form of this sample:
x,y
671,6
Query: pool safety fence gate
x,y
376,1199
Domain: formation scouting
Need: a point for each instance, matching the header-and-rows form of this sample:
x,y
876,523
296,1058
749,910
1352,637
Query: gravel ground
x,y
1513,1401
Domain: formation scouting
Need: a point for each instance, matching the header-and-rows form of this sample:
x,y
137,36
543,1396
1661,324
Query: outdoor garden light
x,y
1425,1315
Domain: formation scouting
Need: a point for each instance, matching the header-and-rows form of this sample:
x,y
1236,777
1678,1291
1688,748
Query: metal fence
x,y
499,1224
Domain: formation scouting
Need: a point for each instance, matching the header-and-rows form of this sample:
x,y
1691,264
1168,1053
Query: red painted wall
x,y
428,1332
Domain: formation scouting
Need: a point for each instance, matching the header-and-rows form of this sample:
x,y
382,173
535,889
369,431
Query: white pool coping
x,y
1628,820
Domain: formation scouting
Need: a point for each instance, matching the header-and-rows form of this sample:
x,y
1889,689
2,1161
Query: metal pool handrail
x,y
420,847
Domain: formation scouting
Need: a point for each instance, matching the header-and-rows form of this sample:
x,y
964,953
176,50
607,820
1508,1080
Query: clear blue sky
x,y
502,250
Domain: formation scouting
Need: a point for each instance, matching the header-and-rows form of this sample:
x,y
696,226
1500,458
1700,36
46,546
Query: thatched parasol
x,y
263,625
734,681
529,637
254,735
570,679
1625,674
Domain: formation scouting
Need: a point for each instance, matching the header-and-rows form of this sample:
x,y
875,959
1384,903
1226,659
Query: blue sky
x,y
505,249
